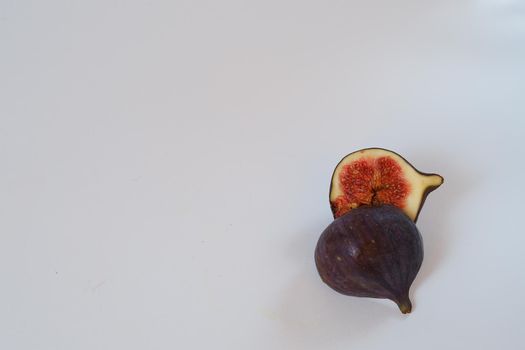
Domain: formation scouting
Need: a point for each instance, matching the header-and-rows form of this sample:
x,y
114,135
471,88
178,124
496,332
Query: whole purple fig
x,y
371,251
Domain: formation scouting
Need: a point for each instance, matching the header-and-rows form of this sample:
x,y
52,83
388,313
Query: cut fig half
x,y
376,176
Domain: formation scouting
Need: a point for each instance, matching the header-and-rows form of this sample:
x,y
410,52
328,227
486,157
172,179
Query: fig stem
x,y
405,305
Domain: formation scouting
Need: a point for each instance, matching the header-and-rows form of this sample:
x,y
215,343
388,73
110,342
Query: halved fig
x,y
377,176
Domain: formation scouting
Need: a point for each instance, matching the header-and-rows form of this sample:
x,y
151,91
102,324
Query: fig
x,y
371,252
373,247
376,176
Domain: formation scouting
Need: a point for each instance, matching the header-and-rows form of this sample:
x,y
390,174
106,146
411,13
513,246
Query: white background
x,y
165,169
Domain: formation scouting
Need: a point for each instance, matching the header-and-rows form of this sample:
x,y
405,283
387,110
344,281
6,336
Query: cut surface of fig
x,y
376,176
372,251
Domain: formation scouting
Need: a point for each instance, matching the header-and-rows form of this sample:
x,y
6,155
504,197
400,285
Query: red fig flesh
x,y
376,176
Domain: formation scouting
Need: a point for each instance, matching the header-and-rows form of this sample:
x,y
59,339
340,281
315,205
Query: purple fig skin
x,y
372,251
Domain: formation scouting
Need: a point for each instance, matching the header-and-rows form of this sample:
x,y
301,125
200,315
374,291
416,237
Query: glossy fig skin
x,y
372,251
